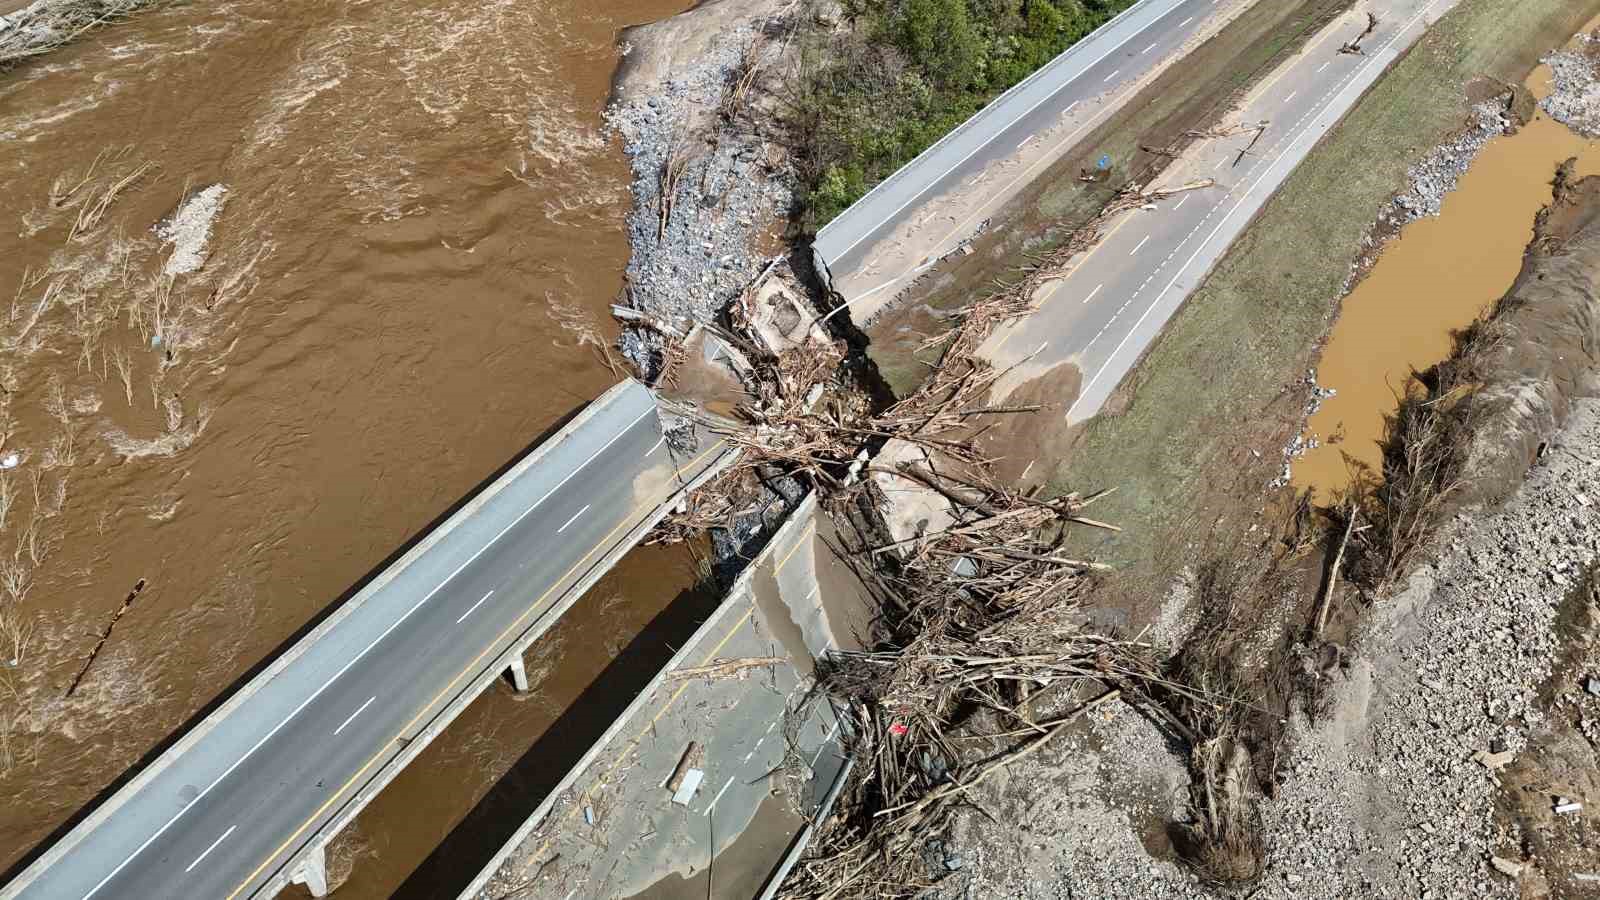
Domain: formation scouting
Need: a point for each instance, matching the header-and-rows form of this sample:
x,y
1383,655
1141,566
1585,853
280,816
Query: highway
x,y
230,809
940,199
610,828
1116,299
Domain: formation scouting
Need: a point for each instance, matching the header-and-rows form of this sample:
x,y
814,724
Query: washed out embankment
x,y
398,236
1436,277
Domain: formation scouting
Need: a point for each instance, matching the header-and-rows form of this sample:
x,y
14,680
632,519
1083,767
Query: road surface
x,y
941,198
228,811
1115,300
611,830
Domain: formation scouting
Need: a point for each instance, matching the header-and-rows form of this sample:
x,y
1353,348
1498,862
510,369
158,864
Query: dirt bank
x,y
1388,787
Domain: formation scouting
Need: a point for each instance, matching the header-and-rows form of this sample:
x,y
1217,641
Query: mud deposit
x,y
288,281
1434,279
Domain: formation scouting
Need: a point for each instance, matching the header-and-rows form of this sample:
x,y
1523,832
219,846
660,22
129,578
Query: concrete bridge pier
x,y
519,674
313,872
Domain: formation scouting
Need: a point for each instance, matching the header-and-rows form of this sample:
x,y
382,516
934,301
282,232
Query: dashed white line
x,y
1181,201
574,518
474,607
359,710
1149,48
725,786
1324,66
211,848
1139,246
1093,292
1290,97
1111,76
656,446
1219,164
1186,21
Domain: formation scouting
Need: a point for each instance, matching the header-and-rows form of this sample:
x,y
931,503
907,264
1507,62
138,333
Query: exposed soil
x,y
1458,254
1388,787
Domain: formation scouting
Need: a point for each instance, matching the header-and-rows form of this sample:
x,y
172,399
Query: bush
x,y
897,75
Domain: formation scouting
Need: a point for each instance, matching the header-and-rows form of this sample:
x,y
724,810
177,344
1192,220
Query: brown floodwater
x,y
1433,279
403,226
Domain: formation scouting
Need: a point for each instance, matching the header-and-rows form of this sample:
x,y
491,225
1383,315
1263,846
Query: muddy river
x,y
1433,279
282,282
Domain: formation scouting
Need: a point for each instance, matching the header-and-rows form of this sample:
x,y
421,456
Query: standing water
x,y
282,281
1434,279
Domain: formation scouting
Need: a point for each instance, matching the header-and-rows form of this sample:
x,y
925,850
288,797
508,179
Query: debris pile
x,y
45,25
1438,172
1574,99
706,185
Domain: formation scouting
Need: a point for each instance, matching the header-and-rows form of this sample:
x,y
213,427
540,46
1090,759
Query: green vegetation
x,y
1212,388
900,74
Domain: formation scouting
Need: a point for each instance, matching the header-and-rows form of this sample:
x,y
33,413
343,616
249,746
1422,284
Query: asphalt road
x,y
1114,302
864,250
231,805
618,832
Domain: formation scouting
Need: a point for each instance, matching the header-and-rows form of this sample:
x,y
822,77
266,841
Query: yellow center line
x,y
453,682
634,741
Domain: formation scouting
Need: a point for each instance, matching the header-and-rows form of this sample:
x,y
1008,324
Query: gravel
x,y
1381,796
727,195
1437,174
1575,95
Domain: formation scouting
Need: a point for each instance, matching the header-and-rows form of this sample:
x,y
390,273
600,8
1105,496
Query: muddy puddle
x,y
279,283
1433,279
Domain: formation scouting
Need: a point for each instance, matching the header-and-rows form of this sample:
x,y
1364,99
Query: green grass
x,y
1208,384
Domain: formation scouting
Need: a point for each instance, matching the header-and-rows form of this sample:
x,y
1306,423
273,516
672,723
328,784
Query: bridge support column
x,y
313,872
519,674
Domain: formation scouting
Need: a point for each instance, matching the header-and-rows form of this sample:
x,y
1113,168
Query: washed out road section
x,y
729,705
233,804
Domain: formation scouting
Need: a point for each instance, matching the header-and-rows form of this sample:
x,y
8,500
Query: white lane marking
x,y
1149,48
1186,21
1000,130
1290,97
724,790
1069,107
1025,141
1290,138
574,518
1139,246
254,747
474,607
1180,203
1111,76
211,848
359,710
1324,66
1219,163
747,757
831,732
657,446
1095,291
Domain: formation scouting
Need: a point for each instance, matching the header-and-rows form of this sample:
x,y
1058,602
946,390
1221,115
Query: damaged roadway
x,y
1115,300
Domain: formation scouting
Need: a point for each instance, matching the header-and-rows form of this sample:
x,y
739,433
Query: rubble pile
x,y
1574,98
703,191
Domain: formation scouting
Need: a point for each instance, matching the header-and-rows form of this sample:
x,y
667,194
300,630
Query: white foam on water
x,y
189,230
